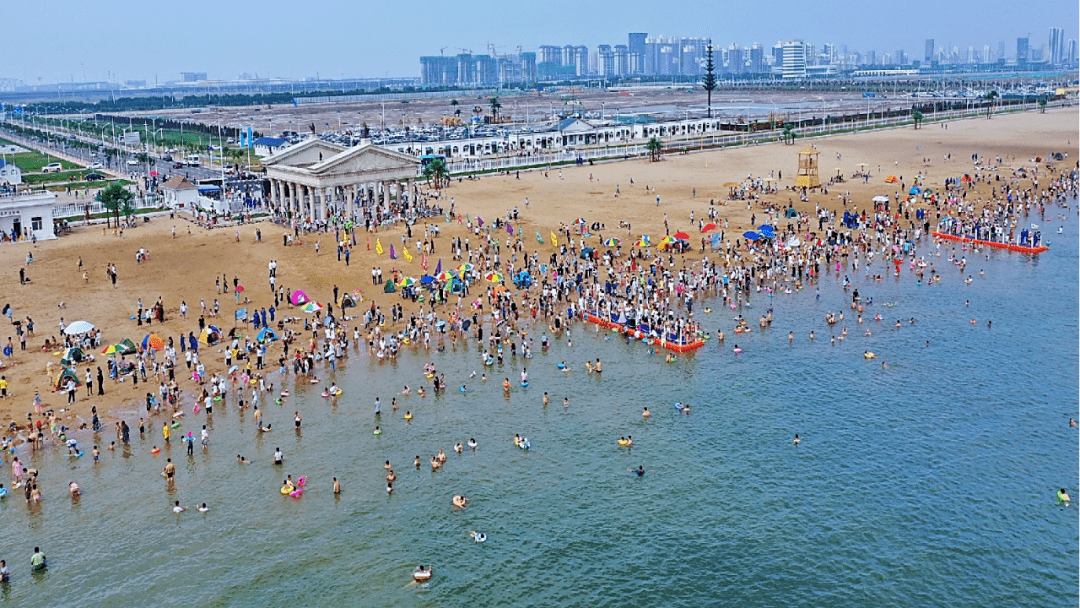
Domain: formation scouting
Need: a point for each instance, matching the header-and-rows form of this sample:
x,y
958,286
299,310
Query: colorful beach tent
x,y
210,336
266,335
62,378
389,287
153,342
299,297
72,356
347,301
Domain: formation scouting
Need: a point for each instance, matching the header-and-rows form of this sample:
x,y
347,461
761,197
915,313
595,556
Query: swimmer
x,y
472,444
73,488
177,508
566,402
337,486
242,460
640,471
545,398
1063,497
1072,422
203,508
265,429
405,391
458,447
390,477
387,466
459,502
478,537
797,441
408,415
416,462
389,488
646,414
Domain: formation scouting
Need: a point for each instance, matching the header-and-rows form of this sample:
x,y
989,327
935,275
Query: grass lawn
x,y
84,185
61,177
32,162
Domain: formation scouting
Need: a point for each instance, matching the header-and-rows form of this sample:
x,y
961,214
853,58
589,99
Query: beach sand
x,y
184,268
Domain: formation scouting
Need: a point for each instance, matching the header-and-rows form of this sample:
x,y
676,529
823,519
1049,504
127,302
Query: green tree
x,y
495,105
437,172
655,148
1042,105
990,97
709,82
789,134
114,198
917,116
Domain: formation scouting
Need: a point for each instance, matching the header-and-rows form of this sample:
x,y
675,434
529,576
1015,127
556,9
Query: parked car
x,y
97,166
52,168
167,158
132,162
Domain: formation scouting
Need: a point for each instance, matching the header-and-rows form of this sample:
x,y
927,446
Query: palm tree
x,y
789,134
917,116
990,97
495,105
437,172
655,148
114,198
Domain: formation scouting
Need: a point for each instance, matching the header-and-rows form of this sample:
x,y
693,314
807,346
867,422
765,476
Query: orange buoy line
x,y
675,346
995,245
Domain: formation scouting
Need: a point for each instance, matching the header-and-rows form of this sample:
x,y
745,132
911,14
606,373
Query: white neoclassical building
x,y
316,179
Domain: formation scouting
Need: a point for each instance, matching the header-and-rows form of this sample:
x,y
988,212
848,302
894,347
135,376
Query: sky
x,y
64,40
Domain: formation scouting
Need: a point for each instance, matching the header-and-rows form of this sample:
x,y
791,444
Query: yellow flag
x,y
408,257
554,241
378,246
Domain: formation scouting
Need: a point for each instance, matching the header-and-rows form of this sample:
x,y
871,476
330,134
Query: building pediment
x,y
306,153
365,158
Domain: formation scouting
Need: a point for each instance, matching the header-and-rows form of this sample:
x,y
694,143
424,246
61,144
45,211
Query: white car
x,y
97,166
132,162
52,168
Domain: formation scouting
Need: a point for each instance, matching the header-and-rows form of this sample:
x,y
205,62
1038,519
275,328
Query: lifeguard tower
x,y
808,169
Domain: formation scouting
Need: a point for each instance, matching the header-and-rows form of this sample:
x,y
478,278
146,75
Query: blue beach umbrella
x,y
427,279
766,231
750,235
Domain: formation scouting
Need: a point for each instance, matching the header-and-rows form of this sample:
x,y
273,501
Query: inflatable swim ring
x,y
421,575
624,442
217,399
286,490
479,537
284,393
429,376
325,395
175,425
377,432
155,451
3,492
868,355
463,389
560,366
525,384
408,416
736,350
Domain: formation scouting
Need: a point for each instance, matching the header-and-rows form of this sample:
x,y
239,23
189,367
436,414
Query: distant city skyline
x,y
351,40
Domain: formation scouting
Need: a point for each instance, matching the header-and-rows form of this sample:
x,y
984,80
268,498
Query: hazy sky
x,y
125,39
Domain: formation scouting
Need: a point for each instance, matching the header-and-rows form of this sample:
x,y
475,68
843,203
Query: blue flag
x,y
438,268
241,314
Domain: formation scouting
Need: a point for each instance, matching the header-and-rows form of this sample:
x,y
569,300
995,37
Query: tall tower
x,y
928,55
1057,45
636,46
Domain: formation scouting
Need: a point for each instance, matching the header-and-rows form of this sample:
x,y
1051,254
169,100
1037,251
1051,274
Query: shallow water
x,y
930,482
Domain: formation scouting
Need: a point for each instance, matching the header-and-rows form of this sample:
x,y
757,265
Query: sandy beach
x,y
184,267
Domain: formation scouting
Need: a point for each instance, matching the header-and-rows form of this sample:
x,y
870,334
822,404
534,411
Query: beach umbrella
x,y
239,289
641,243
927,192
493,277
580,221
612,242
299,297
445,276
427,279
113,349
731,184
682,236
465,267
765,228
153,342
311,307
750,235
667,240
793,243
708,227
78,327
880,199
406,282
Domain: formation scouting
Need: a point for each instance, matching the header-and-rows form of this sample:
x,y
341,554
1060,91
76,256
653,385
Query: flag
x,y
509,229
554,241
539,239
378,246
405,252
423,262
241,314
393,256
438,268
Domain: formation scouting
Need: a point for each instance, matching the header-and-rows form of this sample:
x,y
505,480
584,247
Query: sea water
x,y
927,482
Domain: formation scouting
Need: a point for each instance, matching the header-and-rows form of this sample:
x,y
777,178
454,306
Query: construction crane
x,y
442,49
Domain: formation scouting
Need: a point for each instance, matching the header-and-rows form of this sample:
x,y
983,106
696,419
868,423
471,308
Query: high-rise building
x,y
438,70
1001,51
605,60
736,60
1022,51
757,59
636,47
528,67
987,57
192,76
1070,55
550,54
928,53
622,60
1057,45
794,59
900,57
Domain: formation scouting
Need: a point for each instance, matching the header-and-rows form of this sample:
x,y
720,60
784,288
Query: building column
x,y
350,195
